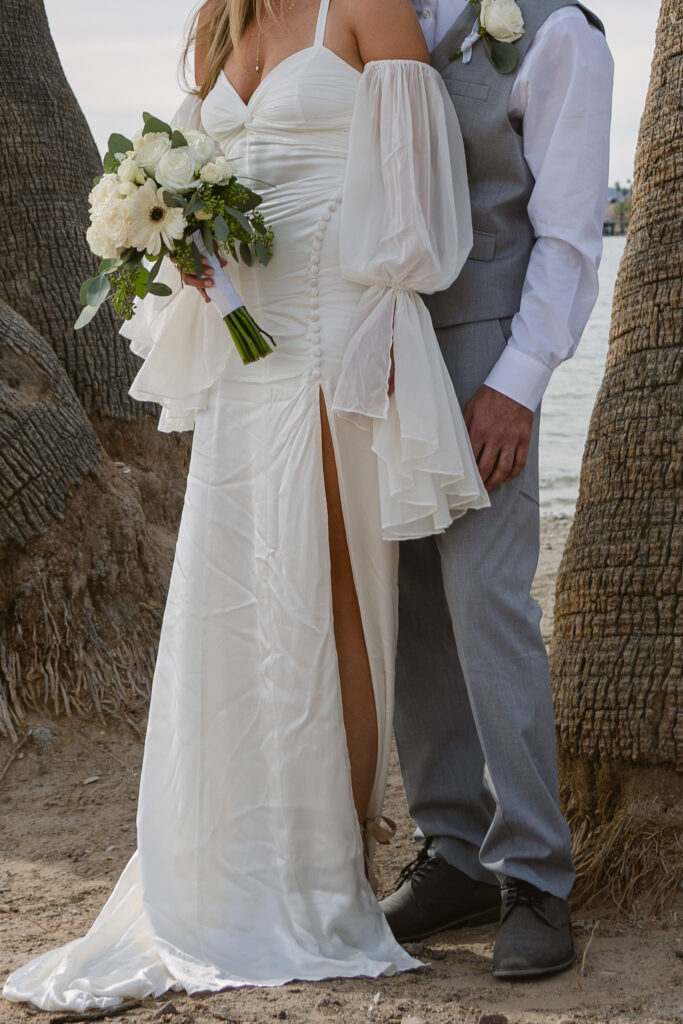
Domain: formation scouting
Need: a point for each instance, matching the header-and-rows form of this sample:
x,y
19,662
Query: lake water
x,y
568,401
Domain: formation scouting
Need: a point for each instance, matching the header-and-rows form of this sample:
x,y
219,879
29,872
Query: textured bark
x,y
90,492
47,444
47,162
80,594
617,651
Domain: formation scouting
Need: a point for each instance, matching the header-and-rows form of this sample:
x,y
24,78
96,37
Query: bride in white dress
x,y
270,718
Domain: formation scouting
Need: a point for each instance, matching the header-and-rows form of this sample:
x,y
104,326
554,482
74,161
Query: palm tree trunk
x,y
90,492
617,651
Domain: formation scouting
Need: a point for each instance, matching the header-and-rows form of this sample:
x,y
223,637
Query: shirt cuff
x,y
520,377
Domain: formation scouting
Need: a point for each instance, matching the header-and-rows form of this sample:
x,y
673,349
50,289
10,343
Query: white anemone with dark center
x,y
152,221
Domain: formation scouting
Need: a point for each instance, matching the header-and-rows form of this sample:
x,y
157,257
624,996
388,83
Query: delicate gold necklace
x,y
262,30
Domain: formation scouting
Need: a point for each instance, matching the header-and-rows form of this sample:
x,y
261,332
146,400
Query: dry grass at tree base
x,y
67,828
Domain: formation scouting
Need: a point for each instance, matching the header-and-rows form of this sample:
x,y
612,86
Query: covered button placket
x,y
314,287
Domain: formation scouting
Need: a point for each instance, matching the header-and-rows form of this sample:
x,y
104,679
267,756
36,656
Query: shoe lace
x,y
420,864
516,893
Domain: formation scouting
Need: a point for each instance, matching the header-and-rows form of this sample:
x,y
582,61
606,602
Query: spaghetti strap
x,y
322,23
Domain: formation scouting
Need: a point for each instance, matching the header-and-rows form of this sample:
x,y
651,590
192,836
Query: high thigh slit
x,y
357,692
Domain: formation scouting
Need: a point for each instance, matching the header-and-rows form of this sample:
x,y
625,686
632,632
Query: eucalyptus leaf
x,y
197,257
106,266
503,56
83,296
154,270
245,254
119,144
142,276
261,252
207,237
194,205
221,229
239,216
246,199
97,291
178,140
86,316
159,289
171,199
110,164
249,201
154,124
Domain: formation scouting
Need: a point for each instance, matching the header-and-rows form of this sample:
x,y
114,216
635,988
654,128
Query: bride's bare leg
x,y
358,701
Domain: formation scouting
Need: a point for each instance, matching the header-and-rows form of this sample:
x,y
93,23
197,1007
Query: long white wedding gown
x,y
249,866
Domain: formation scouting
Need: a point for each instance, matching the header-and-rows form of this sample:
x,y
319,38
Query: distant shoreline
x,y
554,533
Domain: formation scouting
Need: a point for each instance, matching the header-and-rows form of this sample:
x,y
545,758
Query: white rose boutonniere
x,y
499,25
502,19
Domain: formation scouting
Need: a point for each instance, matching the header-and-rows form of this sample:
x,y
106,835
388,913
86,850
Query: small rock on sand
x,y
43,737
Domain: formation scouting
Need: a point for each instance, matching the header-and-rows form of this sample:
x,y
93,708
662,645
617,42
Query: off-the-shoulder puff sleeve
x,y
406,228
183,340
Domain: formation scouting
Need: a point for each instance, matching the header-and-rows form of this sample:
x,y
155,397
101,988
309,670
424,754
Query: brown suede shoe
x,y
535,936
432,896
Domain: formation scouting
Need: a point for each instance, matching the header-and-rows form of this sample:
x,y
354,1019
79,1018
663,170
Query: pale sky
x,y
121,58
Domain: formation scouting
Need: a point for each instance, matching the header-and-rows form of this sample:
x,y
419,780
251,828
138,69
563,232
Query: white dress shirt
x,y
562,96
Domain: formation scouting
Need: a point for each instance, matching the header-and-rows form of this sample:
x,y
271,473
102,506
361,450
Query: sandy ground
x,y
67,828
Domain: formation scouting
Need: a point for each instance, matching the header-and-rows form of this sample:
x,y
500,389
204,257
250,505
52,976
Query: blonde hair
x,y
221,24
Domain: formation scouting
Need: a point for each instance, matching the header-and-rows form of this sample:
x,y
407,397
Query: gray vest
x,y
490,285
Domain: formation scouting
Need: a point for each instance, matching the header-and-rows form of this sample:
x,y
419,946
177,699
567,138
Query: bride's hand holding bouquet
x,y
167,193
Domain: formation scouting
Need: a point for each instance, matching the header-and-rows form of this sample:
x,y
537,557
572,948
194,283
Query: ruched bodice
x,y
297,119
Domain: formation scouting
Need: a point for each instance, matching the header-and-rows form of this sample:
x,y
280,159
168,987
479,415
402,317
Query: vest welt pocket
x,y
483,247
461,87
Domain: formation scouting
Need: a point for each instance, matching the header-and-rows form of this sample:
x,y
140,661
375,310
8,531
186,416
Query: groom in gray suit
x,y
474,717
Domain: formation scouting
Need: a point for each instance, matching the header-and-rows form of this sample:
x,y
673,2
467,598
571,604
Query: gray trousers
x,y
474,718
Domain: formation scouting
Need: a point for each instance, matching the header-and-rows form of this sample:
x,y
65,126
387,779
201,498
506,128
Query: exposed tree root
x,y
627,831
80,627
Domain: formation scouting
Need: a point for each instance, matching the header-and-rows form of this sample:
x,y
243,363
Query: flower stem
x,y
249,339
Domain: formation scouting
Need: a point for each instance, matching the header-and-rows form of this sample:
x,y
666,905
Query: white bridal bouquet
x,y
168,193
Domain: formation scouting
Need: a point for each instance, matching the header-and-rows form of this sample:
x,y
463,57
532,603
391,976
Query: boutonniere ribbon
x,y
499,25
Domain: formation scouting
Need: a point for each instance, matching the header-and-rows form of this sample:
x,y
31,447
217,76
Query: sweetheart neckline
x,y
305,49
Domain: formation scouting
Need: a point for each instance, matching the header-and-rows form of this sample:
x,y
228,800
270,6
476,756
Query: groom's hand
x,y
500,431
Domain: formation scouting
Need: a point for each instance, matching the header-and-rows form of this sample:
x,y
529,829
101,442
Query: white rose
x,y
129,170
211,174
115,222
176,170
100,243
502,19
102,193
218,172
203,148
225,167
150,148
126,189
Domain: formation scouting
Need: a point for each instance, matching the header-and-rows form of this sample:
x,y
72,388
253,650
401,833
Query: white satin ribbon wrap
x,y
223,294
406,228
467,44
